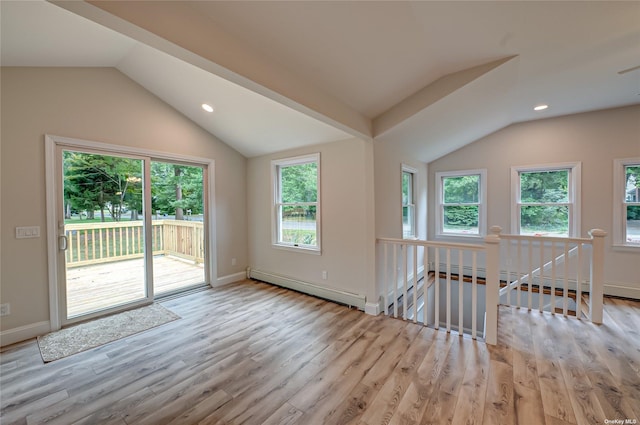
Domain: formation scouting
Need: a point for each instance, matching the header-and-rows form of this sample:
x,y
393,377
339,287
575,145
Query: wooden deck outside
x,y
98,286
251,353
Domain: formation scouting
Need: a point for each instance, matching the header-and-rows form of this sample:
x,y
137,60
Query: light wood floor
x,y
251,353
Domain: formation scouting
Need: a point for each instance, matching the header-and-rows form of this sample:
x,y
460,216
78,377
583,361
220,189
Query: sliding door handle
x,y
63,243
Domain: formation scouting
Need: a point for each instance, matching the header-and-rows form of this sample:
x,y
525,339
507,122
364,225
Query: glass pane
x,y
406,188
461,219
299,183
461,189
544,220
633,224
298,225
178,226
103,206
408,222
544,186
632,183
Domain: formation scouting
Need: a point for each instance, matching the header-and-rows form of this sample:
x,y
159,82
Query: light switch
x,y
27,232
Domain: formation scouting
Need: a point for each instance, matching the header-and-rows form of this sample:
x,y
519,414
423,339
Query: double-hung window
x,y
546,200
297,202
408,202
626,192
461,203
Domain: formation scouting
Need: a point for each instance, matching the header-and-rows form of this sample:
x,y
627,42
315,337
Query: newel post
x,y
492,244
596,290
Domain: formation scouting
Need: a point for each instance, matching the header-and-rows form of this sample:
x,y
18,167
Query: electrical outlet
x,y
5,309
324,275
233,262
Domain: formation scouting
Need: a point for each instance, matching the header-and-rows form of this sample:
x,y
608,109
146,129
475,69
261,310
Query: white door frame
x,y
54,184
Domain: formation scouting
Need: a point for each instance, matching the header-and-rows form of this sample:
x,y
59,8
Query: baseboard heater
x,y
341,297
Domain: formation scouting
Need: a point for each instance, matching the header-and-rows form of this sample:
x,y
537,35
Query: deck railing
x,y
93,243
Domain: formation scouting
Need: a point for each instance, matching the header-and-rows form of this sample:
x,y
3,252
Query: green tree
x,y
545,187
632,185
461,190
300,183
176,188
101,182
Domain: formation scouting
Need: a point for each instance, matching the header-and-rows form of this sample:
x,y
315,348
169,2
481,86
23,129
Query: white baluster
x,y
460,292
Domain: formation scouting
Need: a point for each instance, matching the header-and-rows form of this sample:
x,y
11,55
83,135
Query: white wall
x,y
347,209
595,139
98,104
388,184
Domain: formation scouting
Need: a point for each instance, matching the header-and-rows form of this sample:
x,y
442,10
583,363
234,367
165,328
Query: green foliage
x,y
461,216
541,187
407,188
544,186
299,183
632,186
547,219
461,189
632,183
167,180
102,182
298,213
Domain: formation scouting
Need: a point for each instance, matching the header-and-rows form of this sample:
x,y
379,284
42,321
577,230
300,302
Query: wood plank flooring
x,y
98,286
252,353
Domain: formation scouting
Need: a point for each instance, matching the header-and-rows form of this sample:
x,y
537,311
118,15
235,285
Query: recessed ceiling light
x,y
540,107
207,107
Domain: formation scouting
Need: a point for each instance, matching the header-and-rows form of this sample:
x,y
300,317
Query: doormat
x,y
85,336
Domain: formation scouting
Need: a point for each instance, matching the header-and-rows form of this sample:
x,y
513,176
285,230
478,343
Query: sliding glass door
x,y
104,237
178,226
124,227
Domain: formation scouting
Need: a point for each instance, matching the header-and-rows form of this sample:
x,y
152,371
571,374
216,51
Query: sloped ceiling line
x,y
176,29
211,49
430,94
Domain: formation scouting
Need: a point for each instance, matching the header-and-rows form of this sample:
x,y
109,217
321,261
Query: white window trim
x,y
482,203
414,173
275,187
575,191
620,222
52,142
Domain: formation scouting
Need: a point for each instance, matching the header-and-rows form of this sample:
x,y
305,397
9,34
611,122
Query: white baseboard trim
x,y
342,297
620,290
373,308
22,333
230,278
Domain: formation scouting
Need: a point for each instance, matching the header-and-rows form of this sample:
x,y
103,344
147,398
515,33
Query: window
x,y
408,202
546,200
462,203
626,194
297,202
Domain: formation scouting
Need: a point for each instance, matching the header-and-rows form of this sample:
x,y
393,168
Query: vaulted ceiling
x,y
428,77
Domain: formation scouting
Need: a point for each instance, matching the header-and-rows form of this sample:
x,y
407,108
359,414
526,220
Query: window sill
x,y
456,236
625,248
300,249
